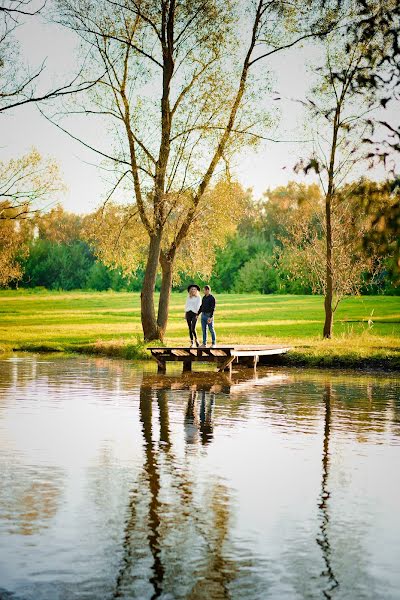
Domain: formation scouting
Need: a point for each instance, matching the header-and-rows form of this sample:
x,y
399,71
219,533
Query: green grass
x,y
109,323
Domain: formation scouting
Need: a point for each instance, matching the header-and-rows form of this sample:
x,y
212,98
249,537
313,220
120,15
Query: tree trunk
x,y
149,323
327,333
165,293
328,316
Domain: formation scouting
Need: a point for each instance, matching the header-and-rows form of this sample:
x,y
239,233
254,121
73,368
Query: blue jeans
x,y
204,325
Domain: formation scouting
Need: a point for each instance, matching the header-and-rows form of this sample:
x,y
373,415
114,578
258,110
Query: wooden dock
x,y
222,356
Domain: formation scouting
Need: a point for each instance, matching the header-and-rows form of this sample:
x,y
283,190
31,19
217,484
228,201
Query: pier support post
x,y
227,365
161,366
187,366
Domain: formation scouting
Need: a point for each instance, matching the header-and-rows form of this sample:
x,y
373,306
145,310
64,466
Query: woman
x,y
192,306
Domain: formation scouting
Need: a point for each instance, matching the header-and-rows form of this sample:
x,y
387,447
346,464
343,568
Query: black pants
x,y
191,318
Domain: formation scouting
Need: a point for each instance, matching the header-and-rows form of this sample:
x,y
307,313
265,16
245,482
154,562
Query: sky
x,y
23,128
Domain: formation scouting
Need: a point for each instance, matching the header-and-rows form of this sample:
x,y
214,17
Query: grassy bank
x,y
366,332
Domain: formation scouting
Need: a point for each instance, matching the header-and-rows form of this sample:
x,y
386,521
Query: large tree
x,y
178,89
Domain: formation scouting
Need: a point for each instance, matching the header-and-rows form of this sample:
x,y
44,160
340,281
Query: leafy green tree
x,y
228,261
99,277
57,266
258,275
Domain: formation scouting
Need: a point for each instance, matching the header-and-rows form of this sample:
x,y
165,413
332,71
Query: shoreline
x,y
310,357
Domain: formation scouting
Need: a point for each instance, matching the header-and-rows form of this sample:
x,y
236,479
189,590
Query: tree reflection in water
x,y
323,538
185,534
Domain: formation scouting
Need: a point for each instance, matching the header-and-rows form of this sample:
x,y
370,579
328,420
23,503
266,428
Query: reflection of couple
x,y
194,307
204,415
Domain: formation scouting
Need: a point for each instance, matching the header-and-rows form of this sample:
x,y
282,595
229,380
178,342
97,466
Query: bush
x,y
257,275
57,266
99,277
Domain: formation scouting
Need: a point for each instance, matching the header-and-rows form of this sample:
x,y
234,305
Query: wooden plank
x,y
179,352
269,352
219,352
236,348
207,358
189,347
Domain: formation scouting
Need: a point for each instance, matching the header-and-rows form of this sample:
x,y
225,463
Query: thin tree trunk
x,y
165,293
327,332
149,323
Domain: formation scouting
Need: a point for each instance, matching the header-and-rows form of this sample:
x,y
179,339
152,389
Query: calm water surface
x,y
118,483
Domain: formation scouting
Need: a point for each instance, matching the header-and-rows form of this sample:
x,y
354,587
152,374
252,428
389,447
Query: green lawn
x,y
107,321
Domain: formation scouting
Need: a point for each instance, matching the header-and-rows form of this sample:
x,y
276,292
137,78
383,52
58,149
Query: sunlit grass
x,y
366,331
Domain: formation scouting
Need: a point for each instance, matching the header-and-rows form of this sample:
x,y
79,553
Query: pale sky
x,y
25,127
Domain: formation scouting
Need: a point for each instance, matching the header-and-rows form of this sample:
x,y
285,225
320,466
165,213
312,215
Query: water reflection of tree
x,y
152,471
323,503
184,534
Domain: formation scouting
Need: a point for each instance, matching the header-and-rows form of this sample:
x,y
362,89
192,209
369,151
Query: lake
x,y
117,482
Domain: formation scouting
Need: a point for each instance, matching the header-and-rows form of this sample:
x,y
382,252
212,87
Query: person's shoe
x,y
213,345
193,345
203,345
197,344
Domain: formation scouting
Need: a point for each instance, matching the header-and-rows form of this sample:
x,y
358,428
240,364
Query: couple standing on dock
x,y
194,307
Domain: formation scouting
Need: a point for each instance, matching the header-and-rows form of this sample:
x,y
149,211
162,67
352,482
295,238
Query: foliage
x,y
12,246
254,257
101,278
229,259
57,266
224,206
119,240
59,226
376,25
258,275
117,236
304,253
381,204
26,183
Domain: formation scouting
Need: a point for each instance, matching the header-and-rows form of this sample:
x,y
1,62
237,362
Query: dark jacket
x,y
207,305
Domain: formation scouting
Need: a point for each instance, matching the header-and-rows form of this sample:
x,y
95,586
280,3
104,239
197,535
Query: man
x,y
207,317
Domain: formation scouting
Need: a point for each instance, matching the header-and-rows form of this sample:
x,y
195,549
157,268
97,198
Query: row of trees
x,y
277,247
180,83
